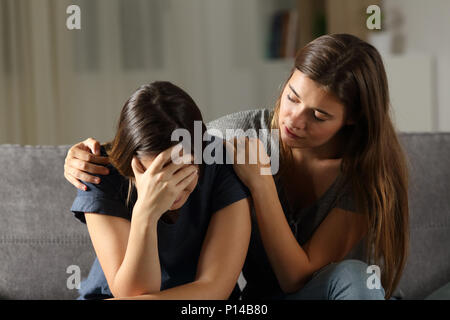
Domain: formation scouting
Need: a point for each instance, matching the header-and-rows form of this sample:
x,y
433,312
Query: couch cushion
x,y
39,237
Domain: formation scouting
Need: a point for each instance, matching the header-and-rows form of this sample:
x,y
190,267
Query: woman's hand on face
x,y
80,163
161,183
250,168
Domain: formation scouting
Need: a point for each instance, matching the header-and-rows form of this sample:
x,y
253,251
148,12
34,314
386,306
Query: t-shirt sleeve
x,y
227,188
108,197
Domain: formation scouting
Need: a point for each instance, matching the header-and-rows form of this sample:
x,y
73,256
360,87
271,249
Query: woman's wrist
x,y
146,214
262,184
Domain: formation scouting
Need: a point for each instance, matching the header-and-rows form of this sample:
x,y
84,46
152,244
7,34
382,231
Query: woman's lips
x,y
291,134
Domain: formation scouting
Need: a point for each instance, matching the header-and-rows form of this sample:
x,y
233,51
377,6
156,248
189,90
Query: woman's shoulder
x,y
244,120
219,184
107,197
215,157
250,123
112,185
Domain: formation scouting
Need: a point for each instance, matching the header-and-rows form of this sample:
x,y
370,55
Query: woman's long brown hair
x,y
373,162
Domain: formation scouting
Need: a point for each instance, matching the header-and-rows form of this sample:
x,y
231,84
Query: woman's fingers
x,y
87,167
79,164
163,158
231,147
93,145
184,173
75,182
83,152
81,175
244,150
172,167
186,180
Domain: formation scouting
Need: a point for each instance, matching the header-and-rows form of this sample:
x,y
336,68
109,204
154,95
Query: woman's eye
x,y
317,118
314,114
290,99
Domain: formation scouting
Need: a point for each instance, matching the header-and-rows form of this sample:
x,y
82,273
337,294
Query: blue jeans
x,y
345,280
95,285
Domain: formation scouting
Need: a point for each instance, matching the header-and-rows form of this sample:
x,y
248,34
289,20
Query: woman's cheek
x,y
325,133
284,109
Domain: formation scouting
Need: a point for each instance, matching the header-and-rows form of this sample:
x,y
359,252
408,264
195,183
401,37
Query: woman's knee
x,y
353,279
345,280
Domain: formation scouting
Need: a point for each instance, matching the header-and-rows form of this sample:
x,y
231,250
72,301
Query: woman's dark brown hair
x,y
373,161
146,123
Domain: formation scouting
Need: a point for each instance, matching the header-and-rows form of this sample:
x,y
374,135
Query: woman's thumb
x,y
93,145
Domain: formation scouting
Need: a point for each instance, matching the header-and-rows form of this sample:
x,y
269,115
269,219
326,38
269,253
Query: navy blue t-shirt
x,y
179,243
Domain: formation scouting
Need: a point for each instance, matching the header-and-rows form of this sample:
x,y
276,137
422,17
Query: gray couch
x,y
42,245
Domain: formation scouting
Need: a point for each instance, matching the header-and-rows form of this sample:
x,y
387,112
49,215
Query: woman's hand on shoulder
x,y
249,169
80,163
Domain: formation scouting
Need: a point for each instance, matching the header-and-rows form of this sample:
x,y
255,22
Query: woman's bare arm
x,y
292,264
221,260
127,252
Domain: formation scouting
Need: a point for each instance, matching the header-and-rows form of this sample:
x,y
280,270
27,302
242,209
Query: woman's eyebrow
x,y
298,96
295,92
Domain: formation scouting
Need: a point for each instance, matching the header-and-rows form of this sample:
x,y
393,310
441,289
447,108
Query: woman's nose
x,y
298,119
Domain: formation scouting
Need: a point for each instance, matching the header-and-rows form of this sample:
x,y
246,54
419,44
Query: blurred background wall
x,y
60,86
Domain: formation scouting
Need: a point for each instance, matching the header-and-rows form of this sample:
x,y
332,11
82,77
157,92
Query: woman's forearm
x,y
288,260
140,271
196,290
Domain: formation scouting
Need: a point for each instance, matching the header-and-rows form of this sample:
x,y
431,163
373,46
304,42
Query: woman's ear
x,y
137,167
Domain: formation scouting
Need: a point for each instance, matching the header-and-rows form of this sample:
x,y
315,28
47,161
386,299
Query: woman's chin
x,y
175,207
294,144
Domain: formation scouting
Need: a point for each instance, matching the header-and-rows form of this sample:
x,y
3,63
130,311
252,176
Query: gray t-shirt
x,y
261,280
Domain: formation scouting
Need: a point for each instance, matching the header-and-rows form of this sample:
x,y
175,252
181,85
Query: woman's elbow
x,y
215,289
119,290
